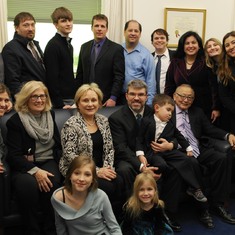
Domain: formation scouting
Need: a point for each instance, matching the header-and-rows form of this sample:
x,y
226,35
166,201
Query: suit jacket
x,y
20,65
124,129
171,53
109,68
202,128
147,134
19,142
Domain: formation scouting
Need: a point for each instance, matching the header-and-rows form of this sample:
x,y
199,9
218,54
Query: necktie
x,y
189,135
94,55
34,52
138,118
158,72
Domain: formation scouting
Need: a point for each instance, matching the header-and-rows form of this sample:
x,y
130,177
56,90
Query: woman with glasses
x,y
189,67
34,151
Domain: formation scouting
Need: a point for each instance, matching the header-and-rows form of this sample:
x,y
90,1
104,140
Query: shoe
x,y
197,194
172,223
206,219
223,214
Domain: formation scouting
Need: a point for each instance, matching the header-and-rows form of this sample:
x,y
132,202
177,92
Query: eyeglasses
x,y
36,97
184,97
133,95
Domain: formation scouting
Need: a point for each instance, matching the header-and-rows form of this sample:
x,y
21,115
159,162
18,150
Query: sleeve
x,y
18,146
122,150
150,78
126,224
109,217
79,74
2,147
226,97
170,84
12,69
69,142
118,72
52,64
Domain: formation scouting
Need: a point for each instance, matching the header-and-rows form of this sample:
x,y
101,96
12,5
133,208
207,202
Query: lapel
x,y
103,50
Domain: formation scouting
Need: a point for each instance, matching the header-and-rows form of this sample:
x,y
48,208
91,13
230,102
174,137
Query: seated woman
x,y
81,208
89,132
34,150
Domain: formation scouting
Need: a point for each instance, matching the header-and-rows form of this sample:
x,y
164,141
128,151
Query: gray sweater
x,y
95,217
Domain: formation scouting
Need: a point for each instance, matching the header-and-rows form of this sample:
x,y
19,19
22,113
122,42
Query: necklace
x,y
89,124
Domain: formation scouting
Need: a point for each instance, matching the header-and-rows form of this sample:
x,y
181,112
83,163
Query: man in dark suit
x,y
217,163
102,61
22,56
124,128
159,39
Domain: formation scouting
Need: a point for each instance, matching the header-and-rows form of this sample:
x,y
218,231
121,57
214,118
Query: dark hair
x,y
180,49
61,13
128,22
4,88
160,31
162,99
22,16
137,84
77,162
224,70
100,17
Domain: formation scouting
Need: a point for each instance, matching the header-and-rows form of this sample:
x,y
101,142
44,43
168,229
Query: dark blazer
x,y
147,134
19,142
202,128
20,65
124,129
109,68
58,58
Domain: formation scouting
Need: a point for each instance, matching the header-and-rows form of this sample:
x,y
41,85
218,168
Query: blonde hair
x,y
22,98
133,205
210,62
84,89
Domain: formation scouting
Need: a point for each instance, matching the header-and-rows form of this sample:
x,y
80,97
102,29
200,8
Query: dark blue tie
x,y
158,72
138,118
94,55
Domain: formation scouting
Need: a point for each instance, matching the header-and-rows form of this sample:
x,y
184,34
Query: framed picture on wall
x,y
177,21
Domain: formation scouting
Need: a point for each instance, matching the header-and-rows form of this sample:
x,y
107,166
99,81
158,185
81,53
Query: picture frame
x,y
177,21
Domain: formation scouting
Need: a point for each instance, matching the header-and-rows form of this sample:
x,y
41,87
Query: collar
x,y
135,113
179,110
165,54
68,39
158,121
22,40
100,42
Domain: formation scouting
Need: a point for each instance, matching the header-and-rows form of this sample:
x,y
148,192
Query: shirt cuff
x,y
226,136
141,166
33,170
114,98
138,153
189,148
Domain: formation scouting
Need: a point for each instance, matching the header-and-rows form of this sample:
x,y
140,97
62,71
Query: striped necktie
x,y
189,136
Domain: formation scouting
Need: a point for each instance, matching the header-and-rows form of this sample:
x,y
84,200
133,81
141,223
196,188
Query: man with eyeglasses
x,y
217,163
22,56
124,128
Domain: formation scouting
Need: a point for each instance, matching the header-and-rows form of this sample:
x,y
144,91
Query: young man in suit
x,y
22,56
102,61
159,39
58,58
217,163
124,128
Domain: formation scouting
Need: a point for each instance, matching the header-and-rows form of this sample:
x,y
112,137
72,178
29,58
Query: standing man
x,y
139,63
124,128
159,39
22,56
102,61
58,58
191,118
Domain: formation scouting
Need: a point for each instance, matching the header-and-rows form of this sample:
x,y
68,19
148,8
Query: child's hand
x,y
190,153
143,160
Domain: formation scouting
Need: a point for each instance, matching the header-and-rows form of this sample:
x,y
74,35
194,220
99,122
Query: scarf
x,y
41,131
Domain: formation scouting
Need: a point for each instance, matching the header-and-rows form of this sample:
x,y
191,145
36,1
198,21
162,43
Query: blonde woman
x,y
34,149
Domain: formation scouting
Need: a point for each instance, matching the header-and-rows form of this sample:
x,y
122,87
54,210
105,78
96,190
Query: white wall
x,y
220,17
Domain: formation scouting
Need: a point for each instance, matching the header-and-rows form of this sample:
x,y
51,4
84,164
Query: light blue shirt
x,y
139,64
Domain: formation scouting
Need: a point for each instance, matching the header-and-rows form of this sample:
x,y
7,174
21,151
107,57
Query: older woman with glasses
x,y
34,150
